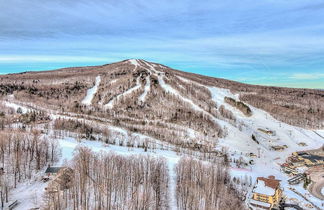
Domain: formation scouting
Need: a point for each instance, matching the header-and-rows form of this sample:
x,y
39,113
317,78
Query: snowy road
x,y
317,185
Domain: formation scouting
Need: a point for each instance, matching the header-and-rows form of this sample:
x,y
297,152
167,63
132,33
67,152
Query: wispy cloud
x,y
42,58
231,38
307,76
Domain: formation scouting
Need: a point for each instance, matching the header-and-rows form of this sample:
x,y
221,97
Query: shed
x,y
278,148
52,170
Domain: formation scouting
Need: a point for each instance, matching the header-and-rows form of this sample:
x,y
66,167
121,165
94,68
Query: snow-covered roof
x,y
260,203
263,189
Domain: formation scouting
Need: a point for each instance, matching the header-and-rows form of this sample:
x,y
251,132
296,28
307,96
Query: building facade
x,y
266,193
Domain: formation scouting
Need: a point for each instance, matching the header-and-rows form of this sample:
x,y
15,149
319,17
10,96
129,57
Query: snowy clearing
x,y
29,194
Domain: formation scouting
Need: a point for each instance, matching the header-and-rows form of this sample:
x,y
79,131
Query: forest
x,y
22,155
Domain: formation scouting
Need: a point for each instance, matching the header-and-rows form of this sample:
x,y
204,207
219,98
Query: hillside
x,y
136,107
130,88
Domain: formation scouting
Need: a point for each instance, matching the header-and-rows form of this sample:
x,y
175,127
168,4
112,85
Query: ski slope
x,y
239,144
146,88
91,92
110,104
134,62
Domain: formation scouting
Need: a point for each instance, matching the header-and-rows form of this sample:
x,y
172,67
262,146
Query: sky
x,y
267,42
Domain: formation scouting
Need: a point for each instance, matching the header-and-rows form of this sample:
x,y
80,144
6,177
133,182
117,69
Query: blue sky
x,y
266,42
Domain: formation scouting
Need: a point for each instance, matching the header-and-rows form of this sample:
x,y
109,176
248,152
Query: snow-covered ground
x,y
29,194
91,92
320,133
134,62
70,144
240,144
23,109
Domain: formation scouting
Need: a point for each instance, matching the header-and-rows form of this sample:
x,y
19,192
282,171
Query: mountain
x,y
139,104
161,102
137,92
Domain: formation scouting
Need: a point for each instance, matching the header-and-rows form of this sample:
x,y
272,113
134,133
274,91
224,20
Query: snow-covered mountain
x,y
175,109
157,100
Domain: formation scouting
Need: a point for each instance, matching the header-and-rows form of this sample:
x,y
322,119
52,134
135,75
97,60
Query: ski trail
x,y
190,81
110,104
134,62
171,90
152,68
184,79
91,92
106,93
219,94
167,87
172,184
160,75
146,89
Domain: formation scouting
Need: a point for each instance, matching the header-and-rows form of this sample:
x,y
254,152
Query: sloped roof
x,y
53,169
270,182
266,186
261,188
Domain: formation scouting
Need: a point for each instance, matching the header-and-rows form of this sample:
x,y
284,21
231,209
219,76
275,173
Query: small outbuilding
x,y
279,148
52,171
